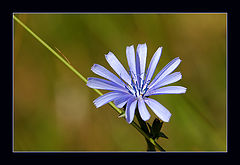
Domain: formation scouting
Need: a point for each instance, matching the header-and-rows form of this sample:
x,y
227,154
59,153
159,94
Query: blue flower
x,y
135,87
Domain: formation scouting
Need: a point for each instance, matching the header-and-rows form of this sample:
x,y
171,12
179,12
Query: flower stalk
x,y
143,129
143,125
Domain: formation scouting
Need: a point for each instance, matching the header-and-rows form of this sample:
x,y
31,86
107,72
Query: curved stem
x,y
119,111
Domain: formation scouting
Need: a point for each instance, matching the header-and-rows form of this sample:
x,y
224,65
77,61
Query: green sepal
x,y
156,127
122,115
150,129
161,134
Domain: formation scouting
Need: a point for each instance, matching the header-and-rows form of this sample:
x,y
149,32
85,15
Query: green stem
x,y
150,146
119,111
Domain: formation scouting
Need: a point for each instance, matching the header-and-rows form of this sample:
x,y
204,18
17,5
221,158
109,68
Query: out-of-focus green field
x,y
53,108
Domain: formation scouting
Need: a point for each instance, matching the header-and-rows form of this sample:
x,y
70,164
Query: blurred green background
x,y
53,108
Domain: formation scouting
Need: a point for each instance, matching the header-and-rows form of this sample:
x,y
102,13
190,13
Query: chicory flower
x,y
134,88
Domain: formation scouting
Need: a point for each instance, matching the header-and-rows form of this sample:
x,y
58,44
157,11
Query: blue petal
x,y
153,65
171,78
117,67
122,100
167,90
158,109
101,71
145,115
98,83
131,62
106,98
130,109
141,62
171,66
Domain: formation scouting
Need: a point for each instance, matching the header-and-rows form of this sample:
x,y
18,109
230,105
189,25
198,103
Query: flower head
x,y
135,87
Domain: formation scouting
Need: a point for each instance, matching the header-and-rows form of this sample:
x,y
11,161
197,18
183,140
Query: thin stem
x,y
147,136
150,146
119,111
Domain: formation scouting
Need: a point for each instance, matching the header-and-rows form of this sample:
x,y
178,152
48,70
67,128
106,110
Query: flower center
x,y
138,89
